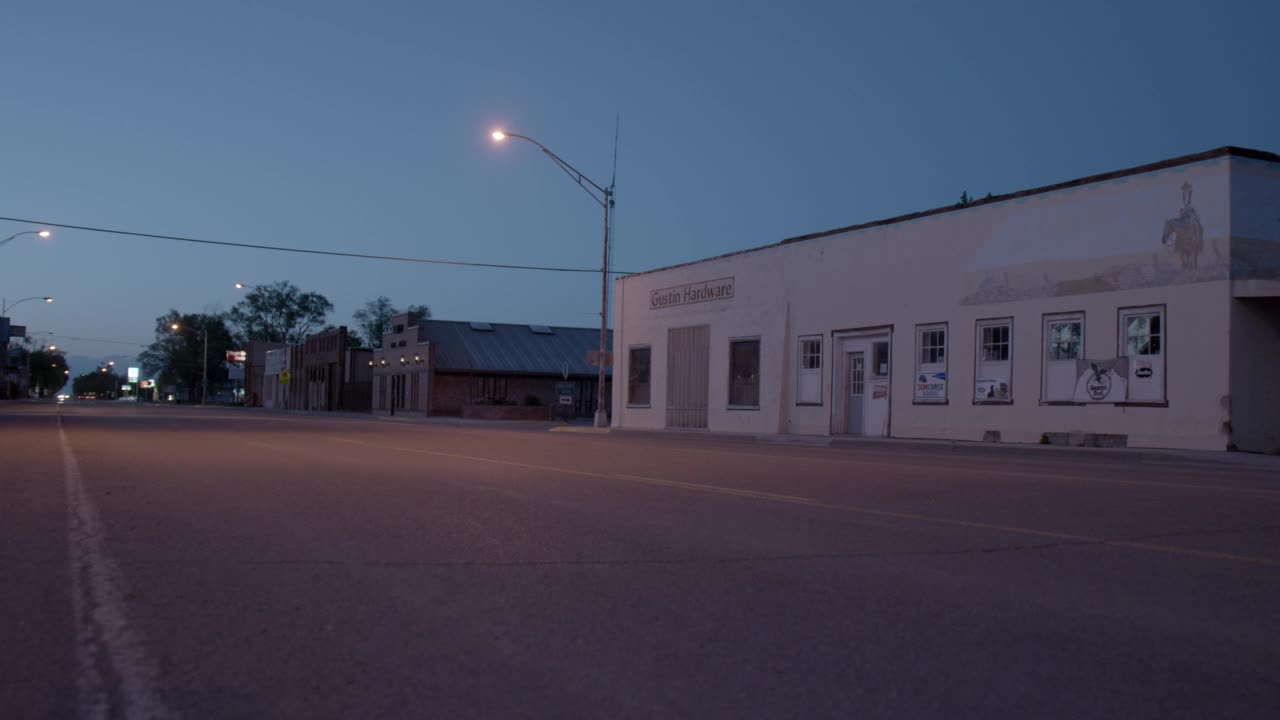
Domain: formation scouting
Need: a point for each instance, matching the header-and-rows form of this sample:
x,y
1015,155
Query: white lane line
x,y
105,641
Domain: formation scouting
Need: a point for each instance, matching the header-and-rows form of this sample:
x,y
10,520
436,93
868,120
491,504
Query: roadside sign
x,y
17,331
285,376
566,392
237,356
133,375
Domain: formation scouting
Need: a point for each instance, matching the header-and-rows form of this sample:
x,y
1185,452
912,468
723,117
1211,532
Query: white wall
x,y
1093,248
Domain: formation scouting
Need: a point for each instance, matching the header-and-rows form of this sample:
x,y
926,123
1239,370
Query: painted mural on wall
x,y
1123,238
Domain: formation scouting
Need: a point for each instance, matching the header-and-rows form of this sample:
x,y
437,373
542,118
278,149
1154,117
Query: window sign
x,y
931,364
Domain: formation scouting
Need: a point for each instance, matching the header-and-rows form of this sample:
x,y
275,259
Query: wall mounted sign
x,y
718,289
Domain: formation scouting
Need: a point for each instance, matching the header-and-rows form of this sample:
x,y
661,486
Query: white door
x,y
860,396
854,410
1142,341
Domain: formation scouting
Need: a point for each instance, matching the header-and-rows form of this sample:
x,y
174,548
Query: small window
x,y
477,326
931,364
880,359
638,376
399,329
744,373
993,376
540,329
809,378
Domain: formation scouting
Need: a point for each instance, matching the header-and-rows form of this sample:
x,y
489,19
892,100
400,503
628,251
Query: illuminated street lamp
x,y
242,286
605,200
5,307
38,233
204,377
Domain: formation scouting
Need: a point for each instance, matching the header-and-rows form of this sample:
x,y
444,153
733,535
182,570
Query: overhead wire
x,y
307,251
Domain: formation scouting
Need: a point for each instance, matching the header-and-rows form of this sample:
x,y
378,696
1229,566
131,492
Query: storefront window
x,y
744,373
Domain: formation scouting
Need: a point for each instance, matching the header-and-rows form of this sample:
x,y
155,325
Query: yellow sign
x,y
285,375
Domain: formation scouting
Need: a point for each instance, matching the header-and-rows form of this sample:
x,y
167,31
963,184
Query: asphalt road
x,y
203,563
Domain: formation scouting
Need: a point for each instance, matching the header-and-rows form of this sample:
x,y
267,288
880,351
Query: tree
x,y
279,312
375,317
48,372
102,384
175,358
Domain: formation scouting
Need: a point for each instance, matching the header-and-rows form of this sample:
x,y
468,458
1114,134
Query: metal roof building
x,y
504,348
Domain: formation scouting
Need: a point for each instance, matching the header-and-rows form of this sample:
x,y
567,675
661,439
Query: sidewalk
x,y
969,448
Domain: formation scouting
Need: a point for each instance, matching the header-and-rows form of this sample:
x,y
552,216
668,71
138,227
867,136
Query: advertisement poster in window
x,y
1102,381
931,387
991,388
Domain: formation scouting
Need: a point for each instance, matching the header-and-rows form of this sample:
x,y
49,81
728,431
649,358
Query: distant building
x,y
320,374
255,370
1139,307
401,373
479,363
484,370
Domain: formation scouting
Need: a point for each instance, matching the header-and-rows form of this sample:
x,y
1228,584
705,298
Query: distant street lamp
x,y
605,200
204,374
242,286
39,233
5,307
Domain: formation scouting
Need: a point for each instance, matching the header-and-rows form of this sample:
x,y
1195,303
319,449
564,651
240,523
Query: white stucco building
x,y
1139,307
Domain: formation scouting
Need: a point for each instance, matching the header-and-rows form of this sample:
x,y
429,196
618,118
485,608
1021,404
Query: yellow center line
x,y
812,502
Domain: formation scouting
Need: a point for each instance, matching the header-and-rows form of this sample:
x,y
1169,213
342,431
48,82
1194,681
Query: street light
x,y
605,200
5,307
242,286
204,374
38,233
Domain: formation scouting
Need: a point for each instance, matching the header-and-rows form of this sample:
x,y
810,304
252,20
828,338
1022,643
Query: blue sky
x,y
364,127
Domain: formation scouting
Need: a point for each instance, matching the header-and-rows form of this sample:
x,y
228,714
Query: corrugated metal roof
x,y
509,348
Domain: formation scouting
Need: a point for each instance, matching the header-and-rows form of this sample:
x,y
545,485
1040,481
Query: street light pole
x,y
42,233
606,201
5,307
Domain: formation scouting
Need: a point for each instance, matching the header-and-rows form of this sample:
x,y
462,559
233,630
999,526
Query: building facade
x,y
255,371
402,369
1136,308
477,367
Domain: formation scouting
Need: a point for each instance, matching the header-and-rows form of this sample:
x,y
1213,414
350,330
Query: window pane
x,y
744,373
638,377
1155,324
1064,341
811,354
880,359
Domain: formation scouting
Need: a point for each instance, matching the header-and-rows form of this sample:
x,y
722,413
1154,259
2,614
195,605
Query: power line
x,y
307,251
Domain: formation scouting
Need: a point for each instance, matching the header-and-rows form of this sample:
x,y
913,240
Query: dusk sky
x,y
364,127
